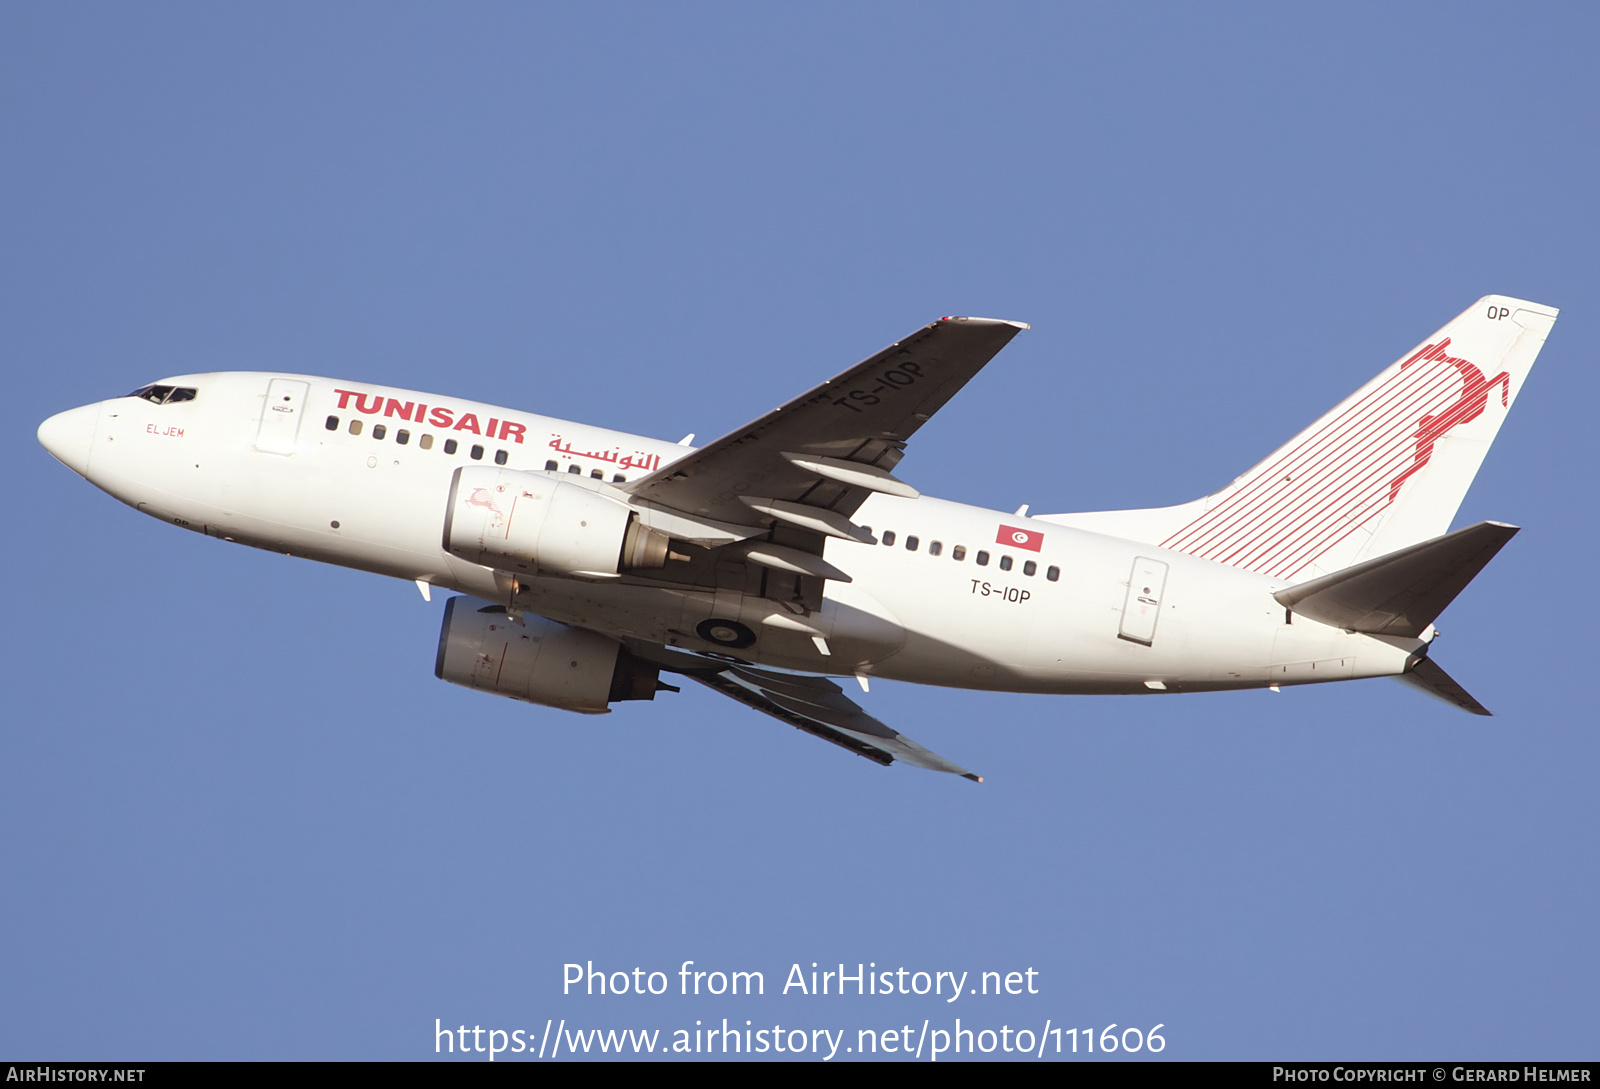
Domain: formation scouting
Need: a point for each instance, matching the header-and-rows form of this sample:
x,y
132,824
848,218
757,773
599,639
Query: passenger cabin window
x,y
618,478
332,424
575,470
379,431
983,559
477,453
958,553
911,544
402,437
888,537
1005,563
1029,567
934,548
1053,573
426,442
355,427
449,446
598,474
500,457
551,466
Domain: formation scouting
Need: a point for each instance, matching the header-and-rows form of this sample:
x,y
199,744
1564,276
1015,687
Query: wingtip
x,y
987,321
976,778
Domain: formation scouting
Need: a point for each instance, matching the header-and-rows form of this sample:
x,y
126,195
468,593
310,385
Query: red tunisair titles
x,y
419,413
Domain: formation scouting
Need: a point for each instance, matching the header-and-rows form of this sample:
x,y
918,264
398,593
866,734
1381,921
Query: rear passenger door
x,y
1142,607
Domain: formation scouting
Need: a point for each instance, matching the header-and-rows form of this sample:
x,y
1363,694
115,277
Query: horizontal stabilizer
x,y
1401,593
1429,678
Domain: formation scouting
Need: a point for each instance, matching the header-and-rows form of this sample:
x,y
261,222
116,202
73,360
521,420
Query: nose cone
x,y
69,436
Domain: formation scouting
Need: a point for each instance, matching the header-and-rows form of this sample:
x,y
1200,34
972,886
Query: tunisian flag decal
x,y
1020,538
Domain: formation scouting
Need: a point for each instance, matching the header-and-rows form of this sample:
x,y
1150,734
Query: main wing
x,y
801,471
820,707
829,448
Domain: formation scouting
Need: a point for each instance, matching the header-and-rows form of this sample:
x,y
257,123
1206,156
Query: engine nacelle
x,y
539,525
538,660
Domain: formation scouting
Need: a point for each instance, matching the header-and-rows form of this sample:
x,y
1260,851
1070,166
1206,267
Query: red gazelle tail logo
x,y
1474,398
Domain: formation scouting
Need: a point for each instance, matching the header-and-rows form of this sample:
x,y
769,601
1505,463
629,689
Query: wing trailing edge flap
x,y
1427,677
1403,592
820,708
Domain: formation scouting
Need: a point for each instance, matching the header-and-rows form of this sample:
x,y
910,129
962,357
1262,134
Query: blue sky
x,y
243,820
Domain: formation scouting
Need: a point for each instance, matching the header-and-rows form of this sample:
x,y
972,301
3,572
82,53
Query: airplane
x,y
589,562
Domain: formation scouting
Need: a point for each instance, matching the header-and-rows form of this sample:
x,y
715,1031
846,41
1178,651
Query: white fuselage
x,y
913,612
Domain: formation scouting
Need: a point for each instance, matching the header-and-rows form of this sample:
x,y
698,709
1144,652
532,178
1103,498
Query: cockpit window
x,y
164,395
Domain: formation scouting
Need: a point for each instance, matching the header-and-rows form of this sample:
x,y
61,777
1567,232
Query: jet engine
x,y
538,660
539,525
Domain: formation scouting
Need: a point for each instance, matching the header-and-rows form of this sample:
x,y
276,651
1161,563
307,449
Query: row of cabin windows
x,y
553,465
959,553
402,437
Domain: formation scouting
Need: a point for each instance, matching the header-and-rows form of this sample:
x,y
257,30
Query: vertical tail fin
x,y
1386,468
